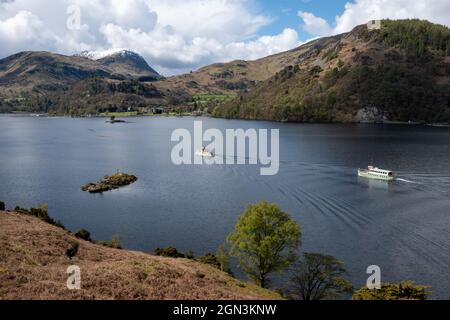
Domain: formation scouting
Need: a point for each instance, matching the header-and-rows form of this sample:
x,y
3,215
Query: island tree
x,y
265,240
319,277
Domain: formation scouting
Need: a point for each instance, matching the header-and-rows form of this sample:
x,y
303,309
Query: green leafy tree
x,y
394,291
265,240
319,277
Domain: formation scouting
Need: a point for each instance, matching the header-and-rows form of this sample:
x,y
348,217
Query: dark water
x,y
404,227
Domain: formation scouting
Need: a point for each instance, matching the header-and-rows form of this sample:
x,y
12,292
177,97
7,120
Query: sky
x,y
176,36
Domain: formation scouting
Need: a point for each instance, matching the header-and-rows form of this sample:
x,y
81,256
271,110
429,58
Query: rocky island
x,y
113,120
109,183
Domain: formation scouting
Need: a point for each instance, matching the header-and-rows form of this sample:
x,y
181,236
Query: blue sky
x,y
285,13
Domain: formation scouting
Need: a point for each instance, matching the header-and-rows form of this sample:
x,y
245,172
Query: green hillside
x,y
402,71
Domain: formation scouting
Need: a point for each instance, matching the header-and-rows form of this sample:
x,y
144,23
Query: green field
x,y
136,114
206,98
119,114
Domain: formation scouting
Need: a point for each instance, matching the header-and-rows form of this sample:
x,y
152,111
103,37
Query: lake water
x,y
404,226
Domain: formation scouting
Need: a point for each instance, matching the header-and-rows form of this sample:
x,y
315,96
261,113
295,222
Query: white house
x,y
374,25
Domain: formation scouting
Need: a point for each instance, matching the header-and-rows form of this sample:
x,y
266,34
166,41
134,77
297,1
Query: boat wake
x,y
430,182
408,181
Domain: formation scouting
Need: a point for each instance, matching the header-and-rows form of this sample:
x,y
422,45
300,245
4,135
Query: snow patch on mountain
x,y
100,54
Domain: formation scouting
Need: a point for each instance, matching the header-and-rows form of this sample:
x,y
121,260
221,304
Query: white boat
x,y
376,173
204,153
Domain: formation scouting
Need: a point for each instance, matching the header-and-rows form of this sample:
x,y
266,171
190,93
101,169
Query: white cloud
x,y
264,45
313,25
24,27
173,35
361,11
225,20
172,49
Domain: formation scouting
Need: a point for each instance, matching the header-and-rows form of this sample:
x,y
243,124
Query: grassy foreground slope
x,y
33,265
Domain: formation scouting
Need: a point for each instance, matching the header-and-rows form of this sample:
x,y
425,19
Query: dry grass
x,y
33,266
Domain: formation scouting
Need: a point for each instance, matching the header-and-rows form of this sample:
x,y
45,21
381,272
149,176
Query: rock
x,y
369,115
116,121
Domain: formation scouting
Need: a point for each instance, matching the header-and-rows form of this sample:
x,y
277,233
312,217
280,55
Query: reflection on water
x,y
375,184
402,226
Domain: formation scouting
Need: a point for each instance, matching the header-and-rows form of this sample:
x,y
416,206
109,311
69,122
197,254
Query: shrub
x,y
59,225
219,261
73,249
21,210
315,70
330,55
83,234
394,291
190,255
223,256
40,212
114,243
169,252
210,259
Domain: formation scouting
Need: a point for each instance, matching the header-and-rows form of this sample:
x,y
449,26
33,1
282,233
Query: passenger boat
x,y
376,173
204,153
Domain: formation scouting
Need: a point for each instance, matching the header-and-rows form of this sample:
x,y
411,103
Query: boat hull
x,y
371,175
204,154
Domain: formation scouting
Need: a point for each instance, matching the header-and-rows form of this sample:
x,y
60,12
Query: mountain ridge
x,y
239,74
53,68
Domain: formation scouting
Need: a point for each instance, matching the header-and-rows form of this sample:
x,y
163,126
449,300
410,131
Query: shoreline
x,y
186,115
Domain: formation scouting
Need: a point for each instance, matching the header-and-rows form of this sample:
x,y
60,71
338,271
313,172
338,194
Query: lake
x,y
404,226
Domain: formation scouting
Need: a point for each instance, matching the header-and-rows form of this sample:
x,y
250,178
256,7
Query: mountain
x,y
124,62
30,76
240,75
33,72
400,72
33,266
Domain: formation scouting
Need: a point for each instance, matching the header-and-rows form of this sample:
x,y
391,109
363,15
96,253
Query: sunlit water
x,y
404,226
